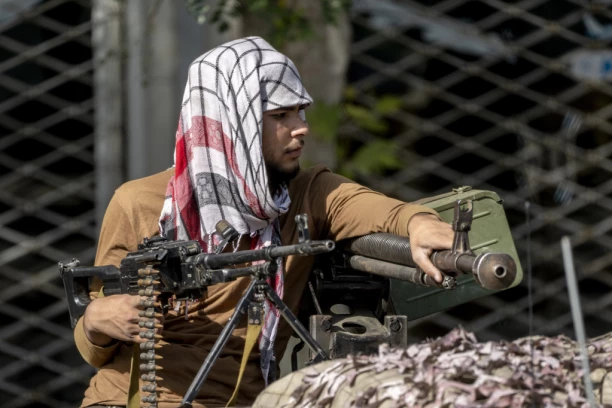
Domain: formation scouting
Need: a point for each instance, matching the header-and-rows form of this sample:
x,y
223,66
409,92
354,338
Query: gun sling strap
x,y
252,335
133,390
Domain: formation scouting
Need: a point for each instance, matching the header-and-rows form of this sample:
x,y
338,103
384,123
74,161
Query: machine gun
x,y
183,270
364,293
161,268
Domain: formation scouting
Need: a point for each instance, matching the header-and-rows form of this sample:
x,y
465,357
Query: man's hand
x,y
113,317
427,234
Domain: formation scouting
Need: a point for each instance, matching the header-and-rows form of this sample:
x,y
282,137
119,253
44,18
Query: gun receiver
x,y
184,271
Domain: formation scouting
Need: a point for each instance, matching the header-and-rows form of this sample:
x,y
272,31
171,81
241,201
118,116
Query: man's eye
x,y
279,115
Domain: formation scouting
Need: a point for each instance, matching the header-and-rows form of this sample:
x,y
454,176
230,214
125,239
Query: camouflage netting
x,y
453,371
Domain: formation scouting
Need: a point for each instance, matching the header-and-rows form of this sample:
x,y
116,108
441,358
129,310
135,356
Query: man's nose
x,y
300,127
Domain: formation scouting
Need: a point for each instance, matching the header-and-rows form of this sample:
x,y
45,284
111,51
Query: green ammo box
x,y
489,233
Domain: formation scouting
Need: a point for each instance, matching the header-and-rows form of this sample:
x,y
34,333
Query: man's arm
x,y
108,320
344,209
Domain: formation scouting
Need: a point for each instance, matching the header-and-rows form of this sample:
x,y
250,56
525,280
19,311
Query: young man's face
x,y
282,142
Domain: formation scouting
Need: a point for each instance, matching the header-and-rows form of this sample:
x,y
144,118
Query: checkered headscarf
x,y
219,167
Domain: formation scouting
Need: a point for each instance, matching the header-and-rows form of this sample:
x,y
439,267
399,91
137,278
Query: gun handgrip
x,y
76,285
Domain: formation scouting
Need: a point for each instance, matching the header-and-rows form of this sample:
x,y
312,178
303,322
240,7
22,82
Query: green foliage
x,y
333,8
286,22
379,155
366,118
388,104
324,120
371,119
372,158
199,9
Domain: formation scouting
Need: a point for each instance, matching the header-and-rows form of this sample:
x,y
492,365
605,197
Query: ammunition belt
x,y
148,287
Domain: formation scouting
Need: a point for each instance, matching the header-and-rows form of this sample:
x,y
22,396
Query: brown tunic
x,y
337,208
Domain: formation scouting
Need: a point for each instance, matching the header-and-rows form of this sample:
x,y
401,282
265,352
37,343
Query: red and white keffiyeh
x,y
219,166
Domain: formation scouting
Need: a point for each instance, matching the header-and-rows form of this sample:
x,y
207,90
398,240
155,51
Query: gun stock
x,y
77,281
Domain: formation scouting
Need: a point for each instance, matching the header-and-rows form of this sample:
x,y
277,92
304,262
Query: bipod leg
x,y
200,377
320,354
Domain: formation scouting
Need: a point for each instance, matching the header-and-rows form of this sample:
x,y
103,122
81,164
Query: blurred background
x,y
413,98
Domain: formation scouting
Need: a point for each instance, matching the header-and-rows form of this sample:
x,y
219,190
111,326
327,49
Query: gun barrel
x,y
491,270
383,246
390,270
304,249
217,261
494,270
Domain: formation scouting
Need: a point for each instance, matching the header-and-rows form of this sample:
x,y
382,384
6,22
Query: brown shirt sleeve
x,y
116,236
95,356
343,209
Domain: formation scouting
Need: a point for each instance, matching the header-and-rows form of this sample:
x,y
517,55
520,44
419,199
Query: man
x,y
239,140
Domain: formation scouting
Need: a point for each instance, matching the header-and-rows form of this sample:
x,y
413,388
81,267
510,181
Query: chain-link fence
x,y
46,195
509,96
